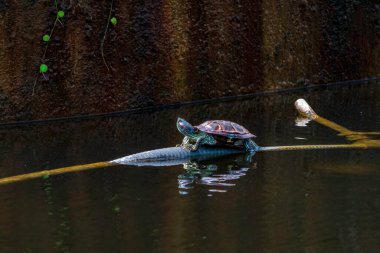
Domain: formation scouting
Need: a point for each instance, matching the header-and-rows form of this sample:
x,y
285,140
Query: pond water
x,y
293,201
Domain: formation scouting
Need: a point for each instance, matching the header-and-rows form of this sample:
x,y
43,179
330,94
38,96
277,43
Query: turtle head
x,y
186,128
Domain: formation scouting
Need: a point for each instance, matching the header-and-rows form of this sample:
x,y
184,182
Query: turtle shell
x,y
225,128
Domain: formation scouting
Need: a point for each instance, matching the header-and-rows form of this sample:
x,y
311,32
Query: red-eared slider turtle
x,y
216,132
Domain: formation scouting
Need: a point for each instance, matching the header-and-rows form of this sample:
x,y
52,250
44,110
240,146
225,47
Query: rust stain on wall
x,y
170,51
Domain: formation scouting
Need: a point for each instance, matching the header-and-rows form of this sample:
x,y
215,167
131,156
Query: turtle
x,y
216,132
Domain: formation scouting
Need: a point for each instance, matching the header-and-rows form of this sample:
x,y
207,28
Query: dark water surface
x,y
294,201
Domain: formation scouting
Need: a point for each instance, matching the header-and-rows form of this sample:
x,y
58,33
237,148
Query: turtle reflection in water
x,y
214,172
216,132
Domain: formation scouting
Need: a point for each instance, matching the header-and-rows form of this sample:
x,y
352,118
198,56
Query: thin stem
x,y
43,56
51,33
34,85
104,37
60,21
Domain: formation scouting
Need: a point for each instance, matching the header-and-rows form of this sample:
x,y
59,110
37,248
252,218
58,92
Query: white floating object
x,y
304,108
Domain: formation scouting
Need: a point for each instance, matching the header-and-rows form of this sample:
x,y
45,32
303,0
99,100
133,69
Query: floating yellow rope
x,y
359,137
45,173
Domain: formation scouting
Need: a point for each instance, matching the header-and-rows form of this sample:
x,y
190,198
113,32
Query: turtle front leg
x,y
250,145
197,143
209,140
185,143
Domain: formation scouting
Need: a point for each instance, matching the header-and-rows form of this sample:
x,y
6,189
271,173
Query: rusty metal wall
x,y
166,51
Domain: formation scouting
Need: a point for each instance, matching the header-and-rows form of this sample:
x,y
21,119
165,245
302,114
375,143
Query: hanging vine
x,y
46,39
113,21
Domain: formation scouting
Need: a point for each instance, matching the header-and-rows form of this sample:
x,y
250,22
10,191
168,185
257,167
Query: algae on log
x,y
169,51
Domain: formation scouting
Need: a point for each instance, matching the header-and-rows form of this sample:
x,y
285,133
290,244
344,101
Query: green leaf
x,y
61,14
113,20
46,38
43,68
